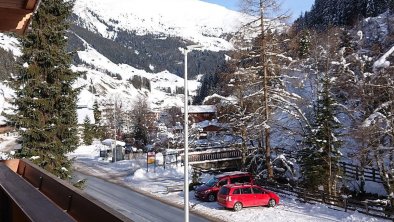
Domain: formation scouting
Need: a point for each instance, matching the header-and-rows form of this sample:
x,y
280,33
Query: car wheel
x,y
272,203
211,198
237,206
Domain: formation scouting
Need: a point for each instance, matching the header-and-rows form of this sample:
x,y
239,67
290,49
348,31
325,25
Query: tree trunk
x,y
244,148
268,164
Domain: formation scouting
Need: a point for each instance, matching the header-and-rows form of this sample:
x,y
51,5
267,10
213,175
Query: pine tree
x,y
98,131
87,131
320,156
140,120
304,44
45,98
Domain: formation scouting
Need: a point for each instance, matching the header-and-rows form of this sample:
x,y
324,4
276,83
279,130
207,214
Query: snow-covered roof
x,y
202,109
109,142
206,123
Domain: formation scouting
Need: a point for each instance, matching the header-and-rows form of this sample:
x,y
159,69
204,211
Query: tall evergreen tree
x,y
96,112
140,120
45,98
98,131
304,44
87,131
208,84
319,158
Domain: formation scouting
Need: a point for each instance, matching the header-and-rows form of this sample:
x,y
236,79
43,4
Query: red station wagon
x,y
237,196
209,190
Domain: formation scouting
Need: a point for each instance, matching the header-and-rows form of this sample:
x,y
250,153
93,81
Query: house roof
x,y
202,109
210,123
15,15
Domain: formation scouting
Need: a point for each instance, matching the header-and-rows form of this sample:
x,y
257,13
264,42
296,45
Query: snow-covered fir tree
x,y
45,98
87,134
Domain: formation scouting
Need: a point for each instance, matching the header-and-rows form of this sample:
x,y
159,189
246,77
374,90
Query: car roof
x,y
238,185
232,174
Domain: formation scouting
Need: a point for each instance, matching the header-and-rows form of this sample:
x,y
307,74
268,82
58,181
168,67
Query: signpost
x,y
150,159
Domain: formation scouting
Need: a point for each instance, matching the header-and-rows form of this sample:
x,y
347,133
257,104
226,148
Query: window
x,y
224,190
243,179
247,190
222,182
234,180
257,190
237,191
212,182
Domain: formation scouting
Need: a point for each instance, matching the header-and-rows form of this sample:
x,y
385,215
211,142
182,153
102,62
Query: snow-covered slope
x,y
108,89
194,20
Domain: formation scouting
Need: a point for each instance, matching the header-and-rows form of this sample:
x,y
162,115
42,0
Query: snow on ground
x,y
133,173
382,61
8,143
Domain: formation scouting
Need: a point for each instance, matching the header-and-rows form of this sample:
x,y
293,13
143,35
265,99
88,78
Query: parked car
x,y
208,191
237,196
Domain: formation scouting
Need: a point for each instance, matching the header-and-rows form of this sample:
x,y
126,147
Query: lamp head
x,y
192,47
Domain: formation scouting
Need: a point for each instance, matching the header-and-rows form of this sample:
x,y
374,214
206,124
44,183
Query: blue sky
x,y
295,6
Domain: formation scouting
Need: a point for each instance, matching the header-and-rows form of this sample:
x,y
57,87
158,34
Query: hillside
x,y
118,46
325,13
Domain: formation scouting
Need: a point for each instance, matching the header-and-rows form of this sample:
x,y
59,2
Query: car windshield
x,y
212,182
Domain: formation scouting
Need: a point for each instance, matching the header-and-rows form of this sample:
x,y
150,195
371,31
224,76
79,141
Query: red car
x,y
237,196
209,190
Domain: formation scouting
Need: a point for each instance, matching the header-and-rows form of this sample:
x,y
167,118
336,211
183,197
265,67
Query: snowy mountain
x,y
119,40
150,35
120,44
193,20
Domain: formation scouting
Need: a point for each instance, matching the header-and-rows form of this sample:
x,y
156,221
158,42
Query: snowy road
x,y
132,173
132,204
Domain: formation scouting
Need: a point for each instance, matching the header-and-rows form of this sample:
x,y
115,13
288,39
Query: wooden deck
x,y
15,15
28,193
26,202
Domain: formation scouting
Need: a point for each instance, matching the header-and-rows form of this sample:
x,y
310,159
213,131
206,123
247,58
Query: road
x,y
133,205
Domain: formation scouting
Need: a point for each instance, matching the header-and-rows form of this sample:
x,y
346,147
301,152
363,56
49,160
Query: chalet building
x,y
178,128
202,112
152,118
15,15
211,127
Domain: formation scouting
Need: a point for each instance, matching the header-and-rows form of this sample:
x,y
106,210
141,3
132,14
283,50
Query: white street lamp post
x,y
115,122
186,135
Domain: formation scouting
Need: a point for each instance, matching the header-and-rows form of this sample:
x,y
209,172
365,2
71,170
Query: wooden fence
x,y
372,208
356,172
348,170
